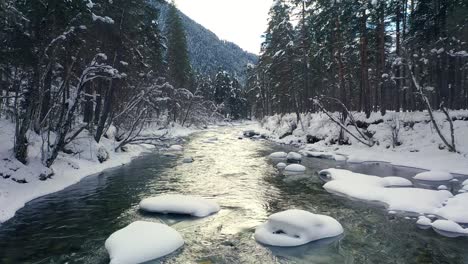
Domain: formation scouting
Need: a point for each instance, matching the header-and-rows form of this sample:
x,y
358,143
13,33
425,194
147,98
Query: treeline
x,y
74,67
366,55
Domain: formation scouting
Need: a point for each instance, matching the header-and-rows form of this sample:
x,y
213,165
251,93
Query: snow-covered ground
x,y
420,145
20,184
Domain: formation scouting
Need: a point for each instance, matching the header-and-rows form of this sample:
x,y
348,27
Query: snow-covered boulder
x,y
434,176
324,155
455,209
176,148
281,165
449,228
363,179
278,155
294,157
102,154
141,242
296,227
294,168
188,160
424,221
465,183
179,204
442,187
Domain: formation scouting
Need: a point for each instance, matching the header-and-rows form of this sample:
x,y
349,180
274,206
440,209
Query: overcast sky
x,y
239,21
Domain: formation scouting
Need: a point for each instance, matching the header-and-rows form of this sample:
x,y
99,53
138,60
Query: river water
x,y
71,226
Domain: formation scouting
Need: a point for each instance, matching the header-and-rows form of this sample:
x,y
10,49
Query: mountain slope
x,y
207,52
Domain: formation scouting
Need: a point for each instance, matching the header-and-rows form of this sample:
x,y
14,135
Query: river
x,y
71,226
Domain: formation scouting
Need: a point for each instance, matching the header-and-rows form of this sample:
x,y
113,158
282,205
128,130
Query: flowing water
x,y
71,226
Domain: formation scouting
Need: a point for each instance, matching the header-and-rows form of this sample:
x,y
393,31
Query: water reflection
x,y
71,226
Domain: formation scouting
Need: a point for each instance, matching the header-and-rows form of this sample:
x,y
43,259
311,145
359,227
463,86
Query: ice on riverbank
x,y
179,204
295,228
323,155
433,176
375,189
141,242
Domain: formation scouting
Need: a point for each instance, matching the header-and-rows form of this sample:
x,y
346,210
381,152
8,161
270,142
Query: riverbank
x,y
21,183
419,146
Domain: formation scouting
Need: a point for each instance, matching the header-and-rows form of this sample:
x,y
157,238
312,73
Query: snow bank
x,y
434,176
449,228
296,227
278,155
179,204
420,146
455,209
141,242
375,189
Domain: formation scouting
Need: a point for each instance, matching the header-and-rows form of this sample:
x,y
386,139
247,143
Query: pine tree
x,y
180,71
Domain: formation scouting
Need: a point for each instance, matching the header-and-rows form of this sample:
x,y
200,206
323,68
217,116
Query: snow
x,y
449,226
141,242
295,168
179,204
278,155
465,183
434,176
104,19
424,221
293,156
372,189
281,165
67,170
455,209
296,227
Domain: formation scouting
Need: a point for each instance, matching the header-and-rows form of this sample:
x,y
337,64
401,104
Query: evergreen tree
x,y
180,70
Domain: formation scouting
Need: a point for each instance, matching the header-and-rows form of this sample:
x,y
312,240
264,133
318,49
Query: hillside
x,y
207,52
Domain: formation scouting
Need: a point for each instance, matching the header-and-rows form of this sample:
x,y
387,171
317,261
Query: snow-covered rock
x,y
281,165
176,148
424,221
296,227
464,183
324,155
294,157
294,168
455,209
179,204
278,155
442,187
141,242
451,227
363,179
375,189
434,176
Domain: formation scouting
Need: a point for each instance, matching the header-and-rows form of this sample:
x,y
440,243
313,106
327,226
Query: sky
x,y
239,21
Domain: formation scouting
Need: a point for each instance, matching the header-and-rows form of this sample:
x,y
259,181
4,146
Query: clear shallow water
x,y
71,226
